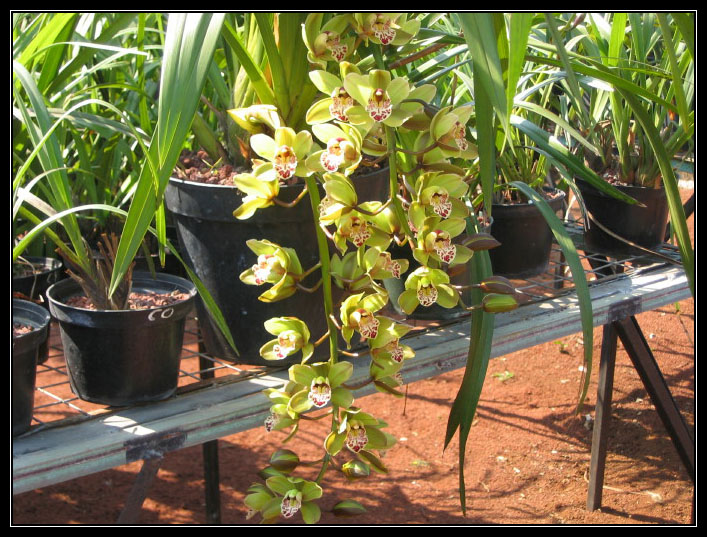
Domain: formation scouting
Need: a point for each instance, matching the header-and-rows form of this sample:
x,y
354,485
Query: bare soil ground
x,y
527,457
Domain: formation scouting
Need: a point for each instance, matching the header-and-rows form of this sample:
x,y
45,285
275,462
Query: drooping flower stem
x,y
333,331
323,246
393,167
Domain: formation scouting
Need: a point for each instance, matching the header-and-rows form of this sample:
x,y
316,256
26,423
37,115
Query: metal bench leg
x,y
211,482
654,382
133,505
645,364
602,417
209,452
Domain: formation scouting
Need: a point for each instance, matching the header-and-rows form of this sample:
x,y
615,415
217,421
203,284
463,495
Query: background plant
x,y
187,51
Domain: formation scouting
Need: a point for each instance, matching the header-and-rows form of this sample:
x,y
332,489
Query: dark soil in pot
x,y
644,226
525,237
30,332
213,242
124,357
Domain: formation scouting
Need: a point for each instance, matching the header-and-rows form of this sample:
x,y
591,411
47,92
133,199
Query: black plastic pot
x,y
47,271
25,349
121,358
34,286
213,243
644,226
525,237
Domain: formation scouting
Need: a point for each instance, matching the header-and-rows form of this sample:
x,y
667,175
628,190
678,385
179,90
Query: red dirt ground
x,y
527,459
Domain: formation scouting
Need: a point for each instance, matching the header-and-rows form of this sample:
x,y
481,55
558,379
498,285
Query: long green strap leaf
x,y
277,69
255,75
461,416
189,48
520,25
677,86
480,37
579,279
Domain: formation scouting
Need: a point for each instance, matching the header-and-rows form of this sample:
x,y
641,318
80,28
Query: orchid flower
x,y
292,336
277,265
326,43
257,119
357,313
438,194
319,384
378,99
434,241
448,130
343,149
385,28
259,192
285,154
337,102
359,229
426,286
288,496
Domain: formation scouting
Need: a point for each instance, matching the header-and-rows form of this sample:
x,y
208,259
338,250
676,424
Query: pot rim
x,y
178,282
557,199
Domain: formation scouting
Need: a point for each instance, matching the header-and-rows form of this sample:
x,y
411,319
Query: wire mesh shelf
x,y
55,404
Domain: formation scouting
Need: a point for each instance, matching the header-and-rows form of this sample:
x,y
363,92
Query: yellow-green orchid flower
x,y
378,99
426,286
448,130
259,191
337,102
385,28
359,229
276,265
292,336
285,153
325,43
434,240
357,314
437,194
257,119
343,149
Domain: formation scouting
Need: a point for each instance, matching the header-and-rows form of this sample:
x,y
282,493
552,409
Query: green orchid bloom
x,y
379,98
257,119
285,154
438,194
380,265
357,315
348,273
426,286
337,102
359,432
340,197
281,416
359,228
387,352
292,336
448,131
343,149
290,496
276,265
434,241
325,43
385,28
259,192
319,384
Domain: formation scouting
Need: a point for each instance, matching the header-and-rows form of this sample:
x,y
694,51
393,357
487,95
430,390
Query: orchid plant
x,y
357,122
